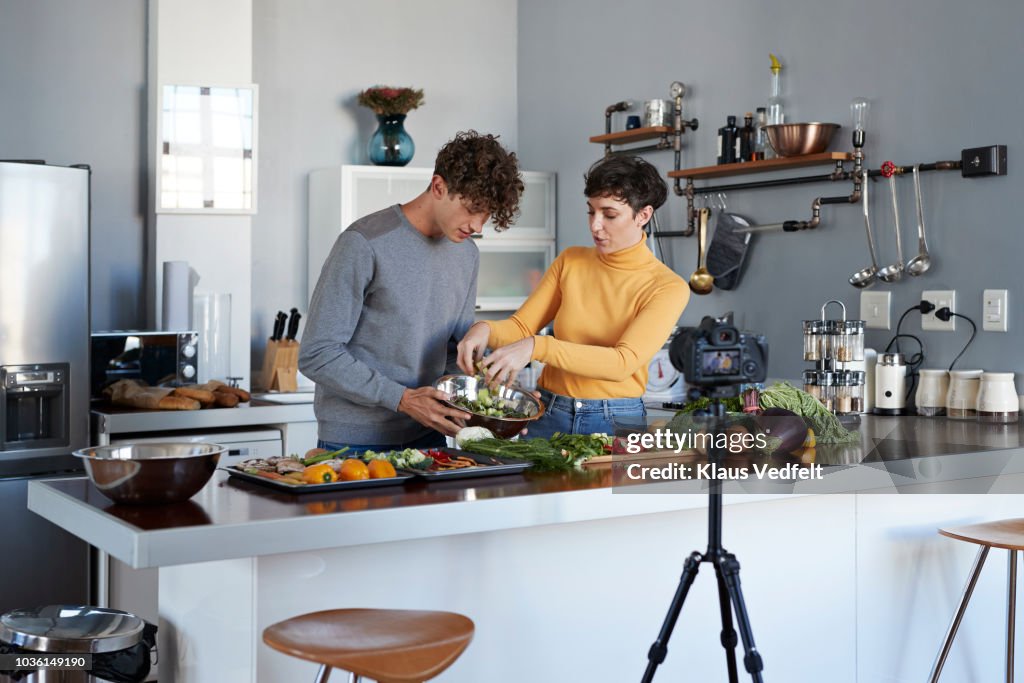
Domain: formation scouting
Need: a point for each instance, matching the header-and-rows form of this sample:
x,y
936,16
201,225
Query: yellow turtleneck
x,y
611,313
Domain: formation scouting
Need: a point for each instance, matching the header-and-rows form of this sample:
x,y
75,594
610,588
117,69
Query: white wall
x,y
312,58
199,42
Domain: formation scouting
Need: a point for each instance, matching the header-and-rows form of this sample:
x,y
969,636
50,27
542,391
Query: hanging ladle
x,y
702,282
866,277
894,272
923,261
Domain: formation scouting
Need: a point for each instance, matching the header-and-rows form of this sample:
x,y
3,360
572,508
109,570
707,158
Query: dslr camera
x,y
717,355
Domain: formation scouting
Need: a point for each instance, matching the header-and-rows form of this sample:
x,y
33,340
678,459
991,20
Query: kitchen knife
x,y
279,326
293,324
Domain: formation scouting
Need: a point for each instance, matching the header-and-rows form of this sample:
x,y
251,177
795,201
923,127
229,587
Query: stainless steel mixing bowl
x,y
798,139
151,472
517,399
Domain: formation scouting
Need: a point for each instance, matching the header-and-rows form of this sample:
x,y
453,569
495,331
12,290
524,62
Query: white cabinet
x,y
511,261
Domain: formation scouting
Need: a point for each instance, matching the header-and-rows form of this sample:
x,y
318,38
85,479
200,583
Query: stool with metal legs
x,y
386,645
1009,535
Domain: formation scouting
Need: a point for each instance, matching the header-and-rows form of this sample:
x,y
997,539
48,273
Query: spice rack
x,y
832,344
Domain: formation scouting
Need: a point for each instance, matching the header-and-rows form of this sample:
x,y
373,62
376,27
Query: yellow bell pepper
x,y
319,474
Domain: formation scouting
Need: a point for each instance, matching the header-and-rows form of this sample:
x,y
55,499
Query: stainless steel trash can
x,y
69,630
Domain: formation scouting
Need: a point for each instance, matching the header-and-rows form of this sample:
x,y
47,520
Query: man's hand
x,y
424,405
502,365
471,347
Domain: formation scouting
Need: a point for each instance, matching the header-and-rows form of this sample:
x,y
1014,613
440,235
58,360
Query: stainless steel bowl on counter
x,y
151,473
799,139
515,399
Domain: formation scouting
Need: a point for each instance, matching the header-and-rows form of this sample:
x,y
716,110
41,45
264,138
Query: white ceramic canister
x,y
962,397
932,387
997,398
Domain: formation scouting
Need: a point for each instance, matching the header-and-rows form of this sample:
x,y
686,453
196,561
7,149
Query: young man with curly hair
x,y
395,295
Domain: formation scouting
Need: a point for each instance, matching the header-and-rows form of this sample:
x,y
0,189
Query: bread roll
x,y
242,394
204,397
223,399
172,402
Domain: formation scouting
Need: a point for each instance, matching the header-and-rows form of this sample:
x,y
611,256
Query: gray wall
x,y
312,58
942,75
73,80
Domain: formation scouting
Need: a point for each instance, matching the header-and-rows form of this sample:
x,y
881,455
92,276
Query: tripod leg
x,y
752,659
656,655
728,636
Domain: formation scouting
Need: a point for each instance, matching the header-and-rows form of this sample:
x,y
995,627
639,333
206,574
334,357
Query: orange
x,y
381,469
353,470
319,474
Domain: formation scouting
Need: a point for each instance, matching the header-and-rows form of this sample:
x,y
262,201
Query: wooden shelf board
x,y
778,164
634,135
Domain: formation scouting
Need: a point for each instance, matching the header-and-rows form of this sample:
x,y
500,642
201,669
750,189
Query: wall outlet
x,y
942,298
993,310
875,308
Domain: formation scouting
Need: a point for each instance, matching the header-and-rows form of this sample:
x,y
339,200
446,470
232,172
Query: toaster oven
x,y
155,358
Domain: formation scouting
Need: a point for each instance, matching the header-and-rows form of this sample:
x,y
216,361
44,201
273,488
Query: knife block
x,y
281,365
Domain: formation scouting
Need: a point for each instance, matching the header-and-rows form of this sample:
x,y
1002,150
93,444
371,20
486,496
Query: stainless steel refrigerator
x,y
44,373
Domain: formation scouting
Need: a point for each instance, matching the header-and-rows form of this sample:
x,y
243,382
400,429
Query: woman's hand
x,y
502,365
471,347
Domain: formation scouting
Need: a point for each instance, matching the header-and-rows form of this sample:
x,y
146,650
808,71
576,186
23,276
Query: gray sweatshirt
x,y
386,314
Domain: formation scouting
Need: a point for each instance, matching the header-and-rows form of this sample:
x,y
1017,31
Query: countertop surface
x,y
233,518
112,420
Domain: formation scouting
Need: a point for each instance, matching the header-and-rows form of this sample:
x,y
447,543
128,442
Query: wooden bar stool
x,y
389,646
1008,534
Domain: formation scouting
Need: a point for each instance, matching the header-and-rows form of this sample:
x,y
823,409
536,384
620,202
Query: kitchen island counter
x,y
514,549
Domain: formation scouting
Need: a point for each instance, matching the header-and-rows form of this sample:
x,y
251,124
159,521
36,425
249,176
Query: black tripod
x,y
727,571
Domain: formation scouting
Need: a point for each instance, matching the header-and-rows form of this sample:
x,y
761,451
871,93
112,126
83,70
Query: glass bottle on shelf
x,y
727,141
760,136
776,115
745,140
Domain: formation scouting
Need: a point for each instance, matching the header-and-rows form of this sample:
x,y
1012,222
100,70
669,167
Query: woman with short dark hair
x,y
612,306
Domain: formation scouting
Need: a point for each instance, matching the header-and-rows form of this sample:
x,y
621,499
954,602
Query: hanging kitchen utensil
x,y
894,272
920,264
728,250
702,282
866,277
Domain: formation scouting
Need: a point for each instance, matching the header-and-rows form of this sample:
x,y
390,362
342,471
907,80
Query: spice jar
x,y
821,384
847,342
997,398
814,340
849,392
962,397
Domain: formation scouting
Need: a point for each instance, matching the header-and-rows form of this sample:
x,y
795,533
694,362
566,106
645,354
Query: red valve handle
x,y
888,169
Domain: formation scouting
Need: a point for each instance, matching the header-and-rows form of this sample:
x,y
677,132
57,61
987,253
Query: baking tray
x,y
488,469
403,476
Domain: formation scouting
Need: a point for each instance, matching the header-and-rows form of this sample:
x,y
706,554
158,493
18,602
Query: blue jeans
x,y
431,440
585,416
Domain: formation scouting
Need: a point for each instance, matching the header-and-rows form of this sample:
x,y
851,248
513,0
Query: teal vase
x,y
390,145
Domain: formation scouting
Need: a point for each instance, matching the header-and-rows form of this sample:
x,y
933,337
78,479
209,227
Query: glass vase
x,y
390,145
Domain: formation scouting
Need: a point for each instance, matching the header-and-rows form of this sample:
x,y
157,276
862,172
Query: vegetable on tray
x,y
560,452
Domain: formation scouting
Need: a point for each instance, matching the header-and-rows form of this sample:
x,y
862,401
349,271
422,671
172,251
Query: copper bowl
x,y
516,399
151,473
799,139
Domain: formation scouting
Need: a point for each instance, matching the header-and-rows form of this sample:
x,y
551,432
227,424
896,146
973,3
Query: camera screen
x,y
720,362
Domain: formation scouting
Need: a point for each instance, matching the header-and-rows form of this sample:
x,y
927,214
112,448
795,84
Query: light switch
x,y
874,309
993,310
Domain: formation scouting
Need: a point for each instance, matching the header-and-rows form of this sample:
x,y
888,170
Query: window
x,y
207,153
